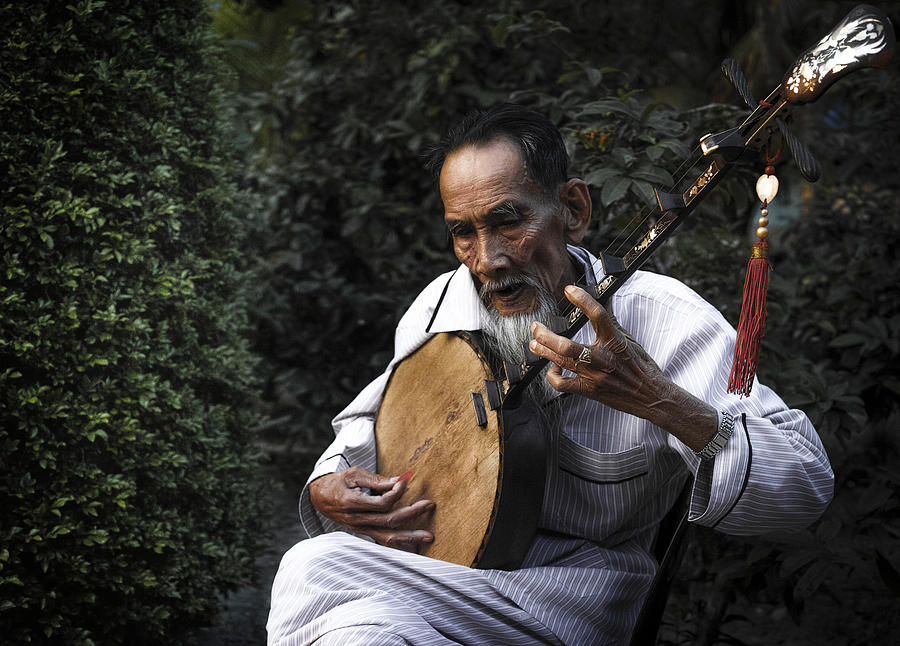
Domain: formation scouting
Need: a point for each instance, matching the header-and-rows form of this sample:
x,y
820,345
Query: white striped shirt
x,y
618,474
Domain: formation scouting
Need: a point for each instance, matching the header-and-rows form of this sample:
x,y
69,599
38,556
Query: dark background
x,y
238,214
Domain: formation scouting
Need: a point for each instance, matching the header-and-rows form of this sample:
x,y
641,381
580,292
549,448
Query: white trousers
x,y
339,589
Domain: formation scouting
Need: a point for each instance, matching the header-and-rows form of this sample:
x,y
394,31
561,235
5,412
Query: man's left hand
x,y
615,370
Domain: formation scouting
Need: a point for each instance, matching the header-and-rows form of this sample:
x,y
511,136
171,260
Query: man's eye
x,y
507,216
460,230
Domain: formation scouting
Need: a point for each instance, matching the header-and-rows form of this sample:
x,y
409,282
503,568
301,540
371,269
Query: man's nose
x,y
491,256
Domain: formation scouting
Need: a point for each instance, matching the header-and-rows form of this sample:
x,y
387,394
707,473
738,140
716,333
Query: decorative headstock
x,y
864,38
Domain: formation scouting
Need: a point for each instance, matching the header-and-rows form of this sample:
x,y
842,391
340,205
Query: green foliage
x,y
836,316
350,228
628,145
125,381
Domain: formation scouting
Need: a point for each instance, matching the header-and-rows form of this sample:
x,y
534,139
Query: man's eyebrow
x,y
505,209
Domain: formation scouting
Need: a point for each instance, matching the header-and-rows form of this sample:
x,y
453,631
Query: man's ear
x,y
577,203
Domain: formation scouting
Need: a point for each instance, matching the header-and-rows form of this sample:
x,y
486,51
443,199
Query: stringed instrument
x,y
459,420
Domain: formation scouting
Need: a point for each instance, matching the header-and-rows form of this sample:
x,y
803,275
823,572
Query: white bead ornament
x,y
767,188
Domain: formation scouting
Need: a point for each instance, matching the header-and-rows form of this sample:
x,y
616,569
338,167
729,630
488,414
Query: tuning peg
x,y
807,164
735,75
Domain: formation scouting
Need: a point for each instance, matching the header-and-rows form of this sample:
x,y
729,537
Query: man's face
x,y
502,227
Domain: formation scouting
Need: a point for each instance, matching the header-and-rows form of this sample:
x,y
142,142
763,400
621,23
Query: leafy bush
x,y
125,381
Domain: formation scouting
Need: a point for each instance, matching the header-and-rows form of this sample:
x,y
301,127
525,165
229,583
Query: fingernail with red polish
x,y
406,476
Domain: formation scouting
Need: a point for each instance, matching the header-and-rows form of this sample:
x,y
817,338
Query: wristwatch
x,y
720,439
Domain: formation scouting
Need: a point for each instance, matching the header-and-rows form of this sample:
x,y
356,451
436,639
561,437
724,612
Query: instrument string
x,y
628,239
637,223
630,234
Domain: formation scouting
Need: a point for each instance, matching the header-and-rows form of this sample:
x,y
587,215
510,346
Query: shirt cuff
x,y
720,481
312,521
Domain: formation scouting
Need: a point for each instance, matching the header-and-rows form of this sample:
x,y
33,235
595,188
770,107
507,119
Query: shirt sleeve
x,y
773,473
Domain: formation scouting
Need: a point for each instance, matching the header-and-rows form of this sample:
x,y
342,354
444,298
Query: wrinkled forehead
x,y
484,169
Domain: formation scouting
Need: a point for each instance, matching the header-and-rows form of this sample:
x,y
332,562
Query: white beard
x,y
506,335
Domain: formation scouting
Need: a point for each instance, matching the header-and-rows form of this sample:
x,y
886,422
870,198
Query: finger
x,y
393,519
389,527
359,501
404,516
359,477
408,541
560,383
597,314
583,301
561,351
552,346
545,352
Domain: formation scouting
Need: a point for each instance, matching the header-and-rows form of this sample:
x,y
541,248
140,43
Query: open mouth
x,y
510,294
512,298
510,291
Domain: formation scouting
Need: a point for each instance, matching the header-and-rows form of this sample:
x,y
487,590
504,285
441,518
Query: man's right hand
x,y
340,497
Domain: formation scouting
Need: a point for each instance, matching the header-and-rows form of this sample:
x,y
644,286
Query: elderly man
x,y
646,408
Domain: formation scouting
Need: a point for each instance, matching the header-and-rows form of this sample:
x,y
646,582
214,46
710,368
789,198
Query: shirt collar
x,y
460,308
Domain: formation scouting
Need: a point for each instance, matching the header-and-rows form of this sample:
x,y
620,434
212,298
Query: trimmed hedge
x,y
125,380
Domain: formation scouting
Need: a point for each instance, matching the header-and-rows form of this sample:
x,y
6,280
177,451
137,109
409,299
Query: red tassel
x,y
751,326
